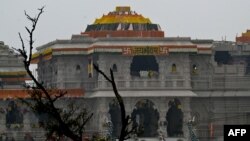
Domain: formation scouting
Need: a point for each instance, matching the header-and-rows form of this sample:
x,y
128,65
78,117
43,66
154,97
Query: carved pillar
x,y
3,113
103,114
163,108
187,115
26,121
128,105
162,69
102,66
61,70
2,122
126,71
186,71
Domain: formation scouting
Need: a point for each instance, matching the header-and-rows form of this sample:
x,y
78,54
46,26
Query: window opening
x,y
114,68
174,69
144,66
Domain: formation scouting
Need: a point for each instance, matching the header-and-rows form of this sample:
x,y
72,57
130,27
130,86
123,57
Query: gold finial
x,y
122,9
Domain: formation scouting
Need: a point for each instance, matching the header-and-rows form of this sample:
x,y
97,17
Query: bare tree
x,y
70,122
125,119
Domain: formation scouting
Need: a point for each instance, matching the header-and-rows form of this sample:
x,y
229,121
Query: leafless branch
x,y
58,95
63,123
124,134
84,122
102,73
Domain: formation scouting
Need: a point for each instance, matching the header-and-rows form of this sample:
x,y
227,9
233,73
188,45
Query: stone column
x,y
126,71
101,79
3,116
2,122
162,109
186,71
128,105
162,69
187,115
60,74
26,121
103,113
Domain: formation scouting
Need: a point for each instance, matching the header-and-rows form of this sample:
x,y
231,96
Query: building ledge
x,y
150,93
228,93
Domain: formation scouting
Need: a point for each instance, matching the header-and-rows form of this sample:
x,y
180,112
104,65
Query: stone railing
x,y
220,82
146,83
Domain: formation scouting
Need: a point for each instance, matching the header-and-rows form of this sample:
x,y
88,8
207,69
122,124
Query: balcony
x,y
220,82
171,82
142,83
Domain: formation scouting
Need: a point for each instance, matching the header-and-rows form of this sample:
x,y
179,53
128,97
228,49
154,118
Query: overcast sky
x,y
201,19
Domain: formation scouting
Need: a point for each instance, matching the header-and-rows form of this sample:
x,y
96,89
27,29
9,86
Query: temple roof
x,y
244,38
122,15
11,63
123,23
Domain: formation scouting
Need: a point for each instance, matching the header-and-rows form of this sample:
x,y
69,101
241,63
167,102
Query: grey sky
x,y
202,19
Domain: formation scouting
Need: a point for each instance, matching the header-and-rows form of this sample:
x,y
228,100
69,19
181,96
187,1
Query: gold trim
x,y
14,73
45,52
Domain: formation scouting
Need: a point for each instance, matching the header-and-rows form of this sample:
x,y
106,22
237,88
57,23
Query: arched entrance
x,y
174,118
14,115
144,66
146,118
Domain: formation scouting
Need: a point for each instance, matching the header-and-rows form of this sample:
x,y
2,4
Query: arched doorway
x,y
174,118
145,117
144,65
14,115
115,115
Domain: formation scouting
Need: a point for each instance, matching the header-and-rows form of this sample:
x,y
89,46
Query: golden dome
x,y
122,15
123,23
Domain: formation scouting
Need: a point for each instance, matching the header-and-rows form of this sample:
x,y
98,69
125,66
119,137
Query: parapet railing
x,y
220,82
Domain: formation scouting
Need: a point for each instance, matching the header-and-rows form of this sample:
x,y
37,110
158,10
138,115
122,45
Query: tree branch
x,y
102,73
43,99
124,134
60,94
84,123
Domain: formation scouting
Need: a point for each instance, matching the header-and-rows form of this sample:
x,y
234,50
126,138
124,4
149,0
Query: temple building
x,y
165,81
12,73
244,38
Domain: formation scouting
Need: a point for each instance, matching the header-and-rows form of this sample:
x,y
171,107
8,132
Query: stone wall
x,y
215,112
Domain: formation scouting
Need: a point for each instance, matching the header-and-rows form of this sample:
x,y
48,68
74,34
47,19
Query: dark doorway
x,y
14,115
222,57
143,63
145,117
174,118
